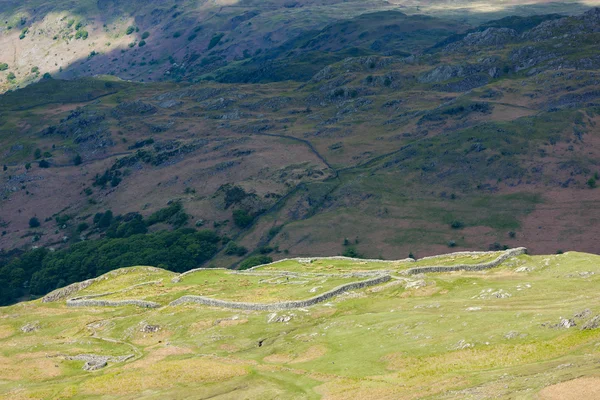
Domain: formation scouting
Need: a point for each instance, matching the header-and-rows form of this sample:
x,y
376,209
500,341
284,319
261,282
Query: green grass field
x,y
453,335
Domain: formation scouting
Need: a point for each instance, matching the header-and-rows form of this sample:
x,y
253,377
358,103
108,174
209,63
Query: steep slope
x,y
526,328
174,40
486,142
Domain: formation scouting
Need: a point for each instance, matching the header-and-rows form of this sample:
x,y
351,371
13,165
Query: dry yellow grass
x,y
279,358
5,331
164,375
156,355
582,388
30,367
311,354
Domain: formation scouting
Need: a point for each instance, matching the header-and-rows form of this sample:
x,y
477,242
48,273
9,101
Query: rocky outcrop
x,y
489,37
287,305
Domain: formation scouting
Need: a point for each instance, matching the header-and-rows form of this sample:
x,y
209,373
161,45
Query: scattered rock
x,y
583,314
524,269
563,366
461,345
274,318
31,327
593,323
490,294
567,323
94,365
511,335
150,328
415,284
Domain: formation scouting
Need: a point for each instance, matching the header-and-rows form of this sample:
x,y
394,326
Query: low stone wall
x,y
62,293
469,267
110,303
179,277
65,292
274,274
460,254
207,301
310,259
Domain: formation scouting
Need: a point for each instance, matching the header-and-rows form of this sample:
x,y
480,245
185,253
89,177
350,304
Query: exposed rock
x,y
415,284
30,327
583,314
566,323
170,103
593,323
150,328
489,37
274,318
461,345
133,108
491,294
94,365
523,269
511,335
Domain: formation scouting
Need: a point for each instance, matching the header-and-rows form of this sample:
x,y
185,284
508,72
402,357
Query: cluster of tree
x,y
40,271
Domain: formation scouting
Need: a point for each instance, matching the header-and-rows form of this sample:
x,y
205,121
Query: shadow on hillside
x,y
162,56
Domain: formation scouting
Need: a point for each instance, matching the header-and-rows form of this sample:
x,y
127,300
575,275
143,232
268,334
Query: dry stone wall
x,y
79,302
469,267
282,305
377,277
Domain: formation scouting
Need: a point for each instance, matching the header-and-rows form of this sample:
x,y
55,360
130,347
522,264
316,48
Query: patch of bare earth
x,y
581,388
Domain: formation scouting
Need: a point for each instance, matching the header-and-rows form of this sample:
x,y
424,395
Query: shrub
x,y
130,30
103,220
512,234
274,231
168,214
192,37
233,249
81,34
47,75
23,33
28,166
591,183
351,252
3,66
176,35
77,160
34,222
82,227
37,153
215,40
145,35
142,43
457,224
11,76
253,261
452,243
242,218
44,164
266,250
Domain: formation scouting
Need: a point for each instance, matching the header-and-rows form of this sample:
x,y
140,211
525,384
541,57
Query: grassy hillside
x,y
527,329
